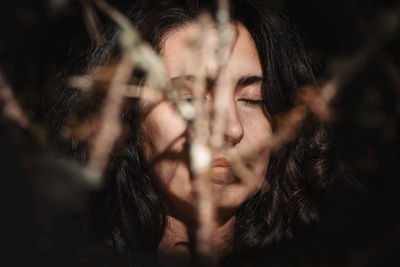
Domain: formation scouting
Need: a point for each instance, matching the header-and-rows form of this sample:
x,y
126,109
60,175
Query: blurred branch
x,y
110,124
317,101
385,28
92,22
384,58
11,109
201,155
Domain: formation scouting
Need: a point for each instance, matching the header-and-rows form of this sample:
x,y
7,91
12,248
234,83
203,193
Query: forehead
x,y
193,45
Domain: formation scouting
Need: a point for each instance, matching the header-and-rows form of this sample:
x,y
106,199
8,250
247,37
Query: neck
x,y
177,245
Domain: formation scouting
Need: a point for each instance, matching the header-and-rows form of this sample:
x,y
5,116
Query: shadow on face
x,y
165,132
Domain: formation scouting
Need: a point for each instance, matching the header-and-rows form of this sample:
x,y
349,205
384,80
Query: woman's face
x,y
165,139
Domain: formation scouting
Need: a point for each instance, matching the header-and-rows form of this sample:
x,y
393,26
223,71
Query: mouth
x,y
221,162
221,171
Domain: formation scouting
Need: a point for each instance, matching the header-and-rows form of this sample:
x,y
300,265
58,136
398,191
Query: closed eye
x,y
252,101
187,98
191,98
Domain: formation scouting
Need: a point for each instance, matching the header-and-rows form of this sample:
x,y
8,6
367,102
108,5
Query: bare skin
x,y
166,146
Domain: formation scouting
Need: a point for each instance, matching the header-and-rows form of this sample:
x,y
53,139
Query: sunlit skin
x,y
165,141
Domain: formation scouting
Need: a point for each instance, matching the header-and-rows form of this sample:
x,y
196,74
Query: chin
x,y
230,197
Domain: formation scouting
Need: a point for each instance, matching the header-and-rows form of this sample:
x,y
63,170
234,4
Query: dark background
x,y
37,43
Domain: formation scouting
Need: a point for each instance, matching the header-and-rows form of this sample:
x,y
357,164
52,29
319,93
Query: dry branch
x,y
110,127
11,108
92,22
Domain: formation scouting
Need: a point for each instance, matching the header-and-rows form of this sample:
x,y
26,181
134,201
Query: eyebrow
x,y
242,82
183,78
248,80
190,78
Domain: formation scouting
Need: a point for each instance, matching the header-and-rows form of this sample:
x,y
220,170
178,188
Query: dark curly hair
x,y
130,205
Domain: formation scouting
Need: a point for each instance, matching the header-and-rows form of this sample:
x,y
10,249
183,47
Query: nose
x,y
233,129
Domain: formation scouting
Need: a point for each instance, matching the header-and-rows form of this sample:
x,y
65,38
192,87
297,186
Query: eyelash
x,y
190,99
252,101
247,101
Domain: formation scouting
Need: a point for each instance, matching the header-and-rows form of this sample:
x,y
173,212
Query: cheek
x,y
257,131
164,145
163,132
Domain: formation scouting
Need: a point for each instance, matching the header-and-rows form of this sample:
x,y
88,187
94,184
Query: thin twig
x,y
200,154
11,108
92,22
110,127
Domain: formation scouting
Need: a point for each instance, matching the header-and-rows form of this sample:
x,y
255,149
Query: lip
x,y
221,162
221,171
